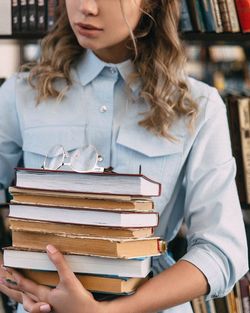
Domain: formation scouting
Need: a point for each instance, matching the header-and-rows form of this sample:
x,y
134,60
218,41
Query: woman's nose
x,y
89,7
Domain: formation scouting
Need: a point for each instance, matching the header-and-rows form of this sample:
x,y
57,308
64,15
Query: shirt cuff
x,y
216,270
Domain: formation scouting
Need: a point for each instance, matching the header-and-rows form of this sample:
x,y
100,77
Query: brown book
x,y
99,246
225,15
233,18
69,199
75,229
109,284
235,134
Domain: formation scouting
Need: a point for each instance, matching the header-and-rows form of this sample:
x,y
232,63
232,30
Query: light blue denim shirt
x,y
197,170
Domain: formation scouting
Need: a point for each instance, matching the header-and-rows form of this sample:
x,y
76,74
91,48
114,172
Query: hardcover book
x,y
82,200
76,229
94,283
106,183
111,218
98,246
38,260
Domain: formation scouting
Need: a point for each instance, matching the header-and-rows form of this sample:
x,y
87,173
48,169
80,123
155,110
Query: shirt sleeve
x,y
10,135
216,234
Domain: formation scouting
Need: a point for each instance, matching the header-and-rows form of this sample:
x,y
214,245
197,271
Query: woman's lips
x,y
88,30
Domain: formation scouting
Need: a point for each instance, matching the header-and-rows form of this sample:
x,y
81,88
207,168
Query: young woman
x,y
112,75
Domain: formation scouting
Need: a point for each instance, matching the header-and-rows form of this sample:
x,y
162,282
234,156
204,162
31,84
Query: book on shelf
x,y
76,229
185,20
243,10
32,16
229,16
208,15
244,291
106,183
196,15
98,246
111,218
69,199
38,260
6,18
235,134
93,283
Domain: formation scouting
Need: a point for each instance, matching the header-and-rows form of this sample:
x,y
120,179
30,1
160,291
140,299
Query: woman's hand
x,y
68,296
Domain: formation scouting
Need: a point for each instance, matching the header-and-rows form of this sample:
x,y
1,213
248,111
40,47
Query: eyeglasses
x,y
81,160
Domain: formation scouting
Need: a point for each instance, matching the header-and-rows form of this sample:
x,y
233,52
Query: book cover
x,y
243,10
32,18
207,15
6,18
16,19
85,216
38,260
98,246
41,16
76,229
24,15
106,183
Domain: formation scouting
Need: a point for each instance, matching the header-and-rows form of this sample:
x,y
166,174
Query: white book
x,y
38,260
128,219
6,17
104,183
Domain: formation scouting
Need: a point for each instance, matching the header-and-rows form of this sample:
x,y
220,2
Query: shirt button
x,y
100,158
113,70
103,109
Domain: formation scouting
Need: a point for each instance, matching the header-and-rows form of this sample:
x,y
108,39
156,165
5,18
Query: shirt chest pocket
x,y
38,141
158,158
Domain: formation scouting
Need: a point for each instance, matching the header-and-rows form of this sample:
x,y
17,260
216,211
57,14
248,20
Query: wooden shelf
x,y
217,38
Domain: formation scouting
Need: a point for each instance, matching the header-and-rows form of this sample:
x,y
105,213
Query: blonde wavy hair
x,y
158,56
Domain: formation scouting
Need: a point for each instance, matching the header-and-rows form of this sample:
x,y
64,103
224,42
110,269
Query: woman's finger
x,y
13,294
19,283
64,271
35,307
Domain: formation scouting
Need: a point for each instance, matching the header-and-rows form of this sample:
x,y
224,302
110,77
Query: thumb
x,y
63,269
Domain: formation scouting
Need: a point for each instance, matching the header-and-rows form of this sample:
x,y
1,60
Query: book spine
x,y
224,15
6,18
234,126
51,13
24,16
244,120
195,16
32,20
41,16
233,18
244,290
243,10
16,23
185,22
216,11
207,15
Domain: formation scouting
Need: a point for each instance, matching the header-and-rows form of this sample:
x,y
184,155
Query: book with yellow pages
x,y
77,229
82,200
94,283
99,246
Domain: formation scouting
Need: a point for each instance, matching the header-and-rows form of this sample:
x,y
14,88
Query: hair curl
x,y
158,57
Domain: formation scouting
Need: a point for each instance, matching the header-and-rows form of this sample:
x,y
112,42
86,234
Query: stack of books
x,y
102,222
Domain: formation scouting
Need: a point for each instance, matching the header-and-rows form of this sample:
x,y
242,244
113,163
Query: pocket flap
x,y
139,139
40,140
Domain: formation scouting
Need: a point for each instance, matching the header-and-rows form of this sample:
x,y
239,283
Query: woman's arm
x,y
174,286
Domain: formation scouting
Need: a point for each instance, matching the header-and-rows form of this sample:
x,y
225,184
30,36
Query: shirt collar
x,y
90,66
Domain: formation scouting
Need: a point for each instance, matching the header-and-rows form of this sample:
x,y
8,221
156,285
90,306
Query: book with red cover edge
x,y
72,209
103,174
243,11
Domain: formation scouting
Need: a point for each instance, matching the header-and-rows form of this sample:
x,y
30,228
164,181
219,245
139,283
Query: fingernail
x,y
51,249
10,281
45,308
